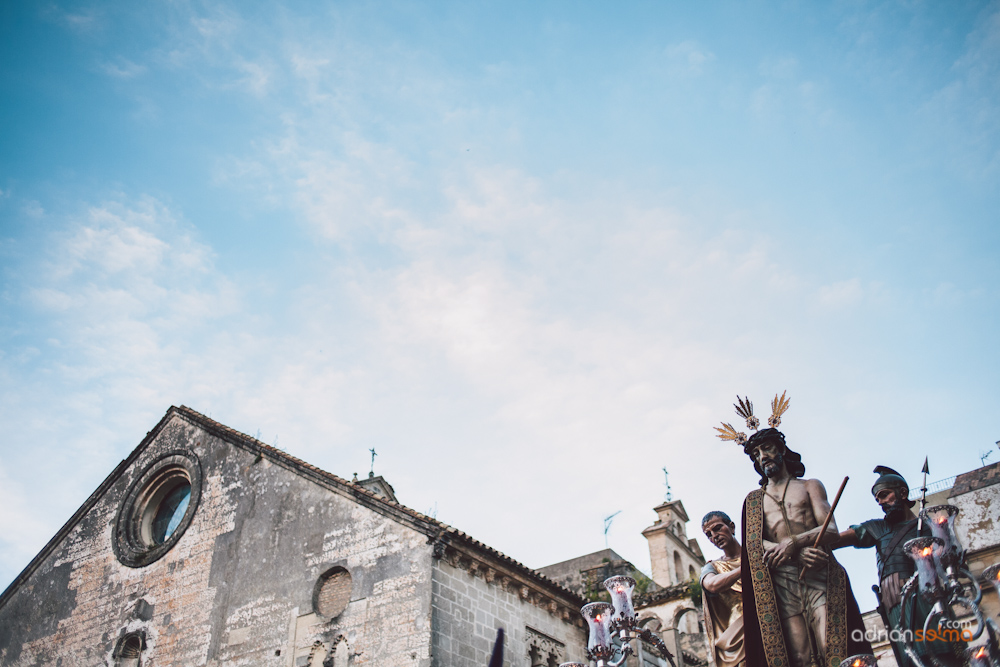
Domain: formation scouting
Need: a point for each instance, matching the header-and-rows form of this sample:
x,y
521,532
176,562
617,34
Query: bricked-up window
x,y
333,592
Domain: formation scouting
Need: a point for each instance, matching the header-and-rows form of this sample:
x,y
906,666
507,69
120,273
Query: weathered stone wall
x,y
978,528
237,589
467,610
976,525
570,573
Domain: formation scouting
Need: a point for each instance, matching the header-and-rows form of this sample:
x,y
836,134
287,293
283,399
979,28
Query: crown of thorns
x,y
744,408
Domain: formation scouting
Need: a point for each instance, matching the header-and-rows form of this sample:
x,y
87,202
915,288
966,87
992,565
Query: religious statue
x,y
798,607
888,535
722,592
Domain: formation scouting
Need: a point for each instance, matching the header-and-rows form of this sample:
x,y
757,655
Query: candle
x,y
598,617
925,552
620,588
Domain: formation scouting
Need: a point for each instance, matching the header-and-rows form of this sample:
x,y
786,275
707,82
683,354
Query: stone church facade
x,y
208,547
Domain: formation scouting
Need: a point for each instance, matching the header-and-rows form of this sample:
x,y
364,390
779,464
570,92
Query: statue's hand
x,y
813,558
781,553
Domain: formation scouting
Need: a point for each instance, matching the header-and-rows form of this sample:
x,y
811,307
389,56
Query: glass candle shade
x,y
926,554
861,660
941,519
621,588
598,617
991,575
978,656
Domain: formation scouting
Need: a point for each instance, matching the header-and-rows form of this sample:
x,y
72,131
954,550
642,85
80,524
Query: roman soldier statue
x,y
888,535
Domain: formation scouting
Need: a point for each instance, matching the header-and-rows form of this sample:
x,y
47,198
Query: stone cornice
x,y
536,590
675,592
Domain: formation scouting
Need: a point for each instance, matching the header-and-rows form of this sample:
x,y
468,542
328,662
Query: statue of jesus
x,y
798,607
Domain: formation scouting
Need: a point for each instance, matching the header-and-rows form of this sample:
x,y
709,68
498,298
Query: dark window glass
x,y
170,512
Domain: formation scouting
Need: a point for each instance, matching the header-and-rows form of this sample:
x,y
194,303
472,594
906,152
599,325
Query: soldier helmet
x,y
890,479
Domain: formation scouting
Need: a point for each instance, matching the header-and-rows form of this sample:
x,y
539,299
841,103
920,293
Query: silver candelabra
x,y
614,626
942,579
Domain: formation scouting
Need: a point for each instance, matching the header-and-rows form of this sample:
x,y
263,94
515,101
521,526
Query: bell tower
x,y
675,558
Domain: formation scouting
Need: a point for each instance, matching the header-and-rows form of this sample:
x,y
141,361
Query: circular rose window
x,y
158,508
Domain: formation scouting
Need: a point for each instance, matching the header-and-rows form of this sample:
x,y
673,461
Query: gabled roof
x,y
436,531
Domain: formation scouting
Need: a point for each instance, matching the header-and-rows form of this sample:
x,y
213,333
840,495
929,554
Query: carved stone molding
x,y
558,606
542,649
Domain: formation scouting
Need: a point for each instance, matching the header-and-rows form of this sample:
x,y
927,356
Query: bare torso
x,y
801,505
794,511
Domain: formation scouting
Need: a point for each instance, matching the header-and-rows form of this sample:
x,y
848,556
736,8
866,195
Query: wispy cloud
x,y
85,20
965,110
786,95
689,57
23,530
123,69
841,294
256,77
780,67
595,278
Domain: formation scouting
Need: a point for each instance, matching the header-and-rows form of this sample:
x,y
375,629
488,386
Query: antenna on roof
x,y
985,455
607,526
371,473
666,477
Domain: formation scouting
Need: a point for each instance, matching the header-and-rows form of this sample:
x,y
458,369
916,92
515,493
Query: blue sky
x,y
529,252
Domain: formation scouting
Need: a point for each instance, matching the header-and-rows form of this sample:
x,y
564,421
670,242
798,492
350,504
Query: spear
x,y
826,522
923,498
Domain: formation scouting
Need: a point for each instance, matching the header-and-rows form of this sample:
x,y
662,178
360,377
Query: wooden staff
x,y
822,531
